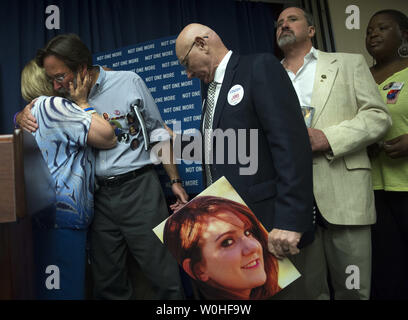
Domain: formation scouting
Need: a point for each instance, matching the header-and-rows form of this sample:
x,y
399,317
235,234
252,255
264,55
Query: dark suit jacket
x,y
280,193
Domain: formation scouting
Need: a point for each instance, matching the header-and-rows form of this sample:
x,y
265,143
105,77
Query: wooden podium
x,y
16,255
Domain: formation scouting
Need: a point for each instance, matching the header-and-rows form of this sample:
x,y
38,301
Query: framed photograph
x,y
223,247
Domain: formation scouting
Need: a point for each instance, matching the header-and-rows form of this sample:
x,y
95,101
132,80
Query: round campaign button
x,y
134,144
235,95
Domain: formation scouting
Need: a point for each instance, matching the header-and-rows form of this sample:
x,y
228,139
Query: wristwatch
x,y
176,181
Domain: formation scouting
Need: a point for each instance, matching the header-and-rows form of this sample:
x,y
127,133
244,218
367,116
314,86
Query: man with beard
x,y
349,115
129,202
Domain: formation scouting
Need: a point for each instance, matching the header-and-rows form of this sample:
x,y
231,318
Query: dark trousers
x,y
124,218
390,246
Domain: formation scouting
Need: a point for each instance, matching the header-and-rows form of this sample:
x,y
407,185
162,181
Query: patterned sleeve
x,y
61,120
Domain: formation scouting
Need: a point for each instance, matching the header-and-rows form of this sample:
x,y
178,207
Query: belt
x,y
122,178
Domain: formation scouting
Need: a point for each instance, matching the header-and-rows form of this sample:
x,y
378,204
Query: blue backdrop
x,y
246,27
177,97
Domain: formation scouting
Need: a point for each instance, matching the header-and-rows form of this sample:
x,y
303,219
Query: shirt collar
x,y
99,81
102,75
220,71
313,53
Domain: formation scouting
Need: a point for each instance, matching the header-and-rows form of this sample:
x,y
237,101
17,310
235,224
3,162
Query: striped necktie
x,y
208,120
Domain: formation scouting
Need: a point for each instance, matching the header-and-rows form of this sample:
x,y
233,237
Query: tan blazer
x,y
352,114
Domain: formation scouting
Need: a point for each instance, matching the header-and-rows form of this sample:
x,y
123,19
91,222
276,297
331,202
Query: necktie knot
x,y
212,87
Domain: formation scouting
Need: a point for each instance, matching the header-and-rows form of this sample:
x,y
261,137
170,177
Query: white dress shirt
x,y
219,77
303,80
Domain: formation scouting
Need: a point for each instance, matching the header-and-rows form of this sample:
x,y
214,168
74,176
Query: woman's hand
x,y
79,94
397,147
25,118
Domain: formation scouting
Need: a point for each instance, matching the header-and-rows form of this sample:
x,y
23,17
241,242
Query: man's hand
x,y
282,243
181,195
25,118
318,140
171,133
397,147
80,94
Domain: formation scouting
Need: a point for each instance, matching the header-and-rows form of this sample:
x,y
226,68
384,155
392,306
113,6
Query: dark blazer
x,y
280,193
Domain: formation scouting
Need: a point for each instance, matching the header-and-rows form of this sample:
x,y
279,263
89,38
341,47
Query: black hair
x,y
400,18
69,48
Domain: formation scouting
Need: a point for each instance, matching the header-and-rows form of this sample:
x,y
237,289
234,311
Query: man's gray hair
x,y
308,16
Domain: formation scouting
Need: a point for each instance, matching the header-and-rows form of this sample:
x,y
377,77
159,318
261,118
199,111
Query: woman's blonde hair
x,y
34,82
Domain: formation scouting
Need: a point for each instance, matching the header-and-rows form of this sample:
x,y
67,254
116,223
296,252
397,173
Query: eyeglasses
x,y
58,78
183,62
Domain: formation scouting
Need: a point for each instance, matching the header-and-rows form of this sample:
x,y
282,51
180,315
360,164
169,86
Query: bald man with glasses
x,y
254,92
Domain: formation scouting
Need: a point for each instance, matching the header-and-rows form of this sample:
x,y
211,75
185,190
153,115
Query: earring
x,y
403,49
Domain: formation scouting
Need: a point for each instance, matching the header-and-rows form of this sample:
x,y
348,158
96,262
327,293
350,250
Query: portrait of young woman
x,y
223,247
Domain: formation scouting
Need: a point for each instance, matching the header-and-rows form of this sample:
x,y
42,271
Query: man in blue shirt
x,y
129,202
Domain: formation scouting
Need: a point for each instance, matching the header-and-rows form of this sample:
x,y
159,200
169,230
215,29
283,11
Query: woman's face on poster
x,y
232,256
